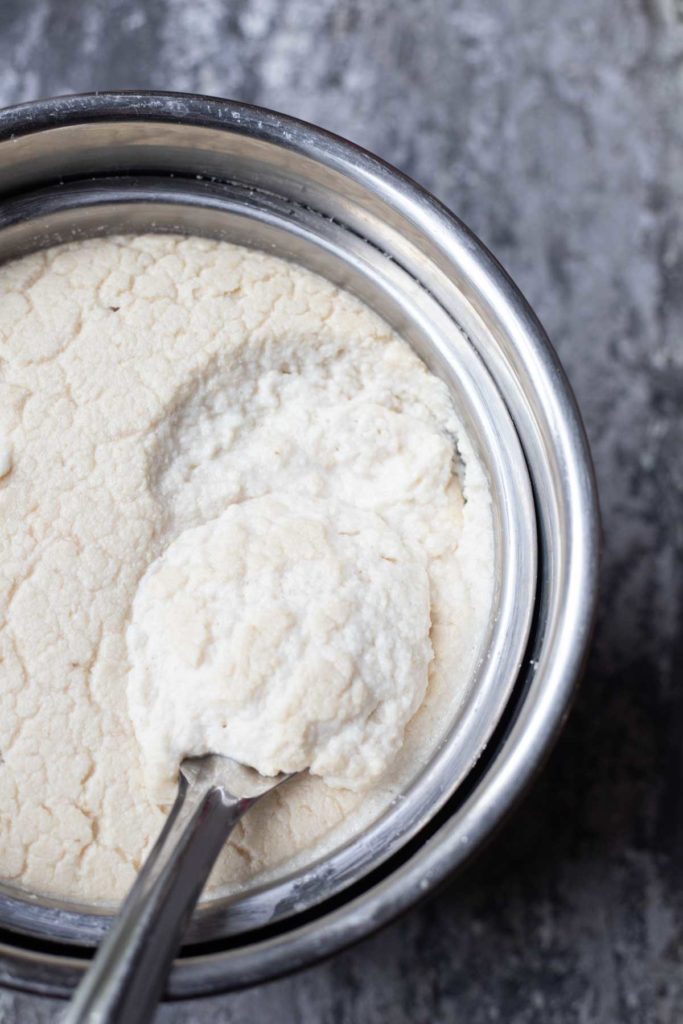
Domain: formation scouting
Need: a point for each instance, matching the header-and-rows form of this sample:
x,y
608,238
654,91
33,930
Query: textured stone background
x,y
556,131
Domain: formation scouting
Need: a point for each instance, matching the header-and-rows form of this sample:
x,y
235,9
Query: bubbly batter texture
x,y
287,634
216,465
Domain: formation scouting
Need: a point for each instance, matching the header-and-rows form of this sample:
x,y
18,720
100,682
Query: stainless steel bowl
x,y
126,162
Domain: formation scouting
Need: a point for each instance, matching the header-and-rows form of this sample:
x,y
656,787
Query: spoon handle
x,y
127,975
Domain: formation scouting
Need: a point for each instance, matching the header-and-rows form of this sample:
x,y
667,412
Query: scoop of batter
x,y
287,633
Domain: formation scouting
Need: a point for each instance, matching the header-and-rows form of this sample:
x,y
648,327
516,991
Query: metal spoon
x,y
125,981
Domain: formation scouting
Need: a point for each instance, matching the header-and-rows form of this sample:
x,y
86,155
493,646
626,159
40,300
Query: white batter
x,y
232,518
289,634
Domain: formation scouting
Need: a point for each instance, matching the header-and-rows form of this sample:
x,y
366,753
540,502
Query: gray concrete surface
x,y
556,131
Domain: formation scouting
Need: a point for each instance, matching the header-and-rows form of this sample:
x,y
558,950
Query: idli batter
x,y
237,513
